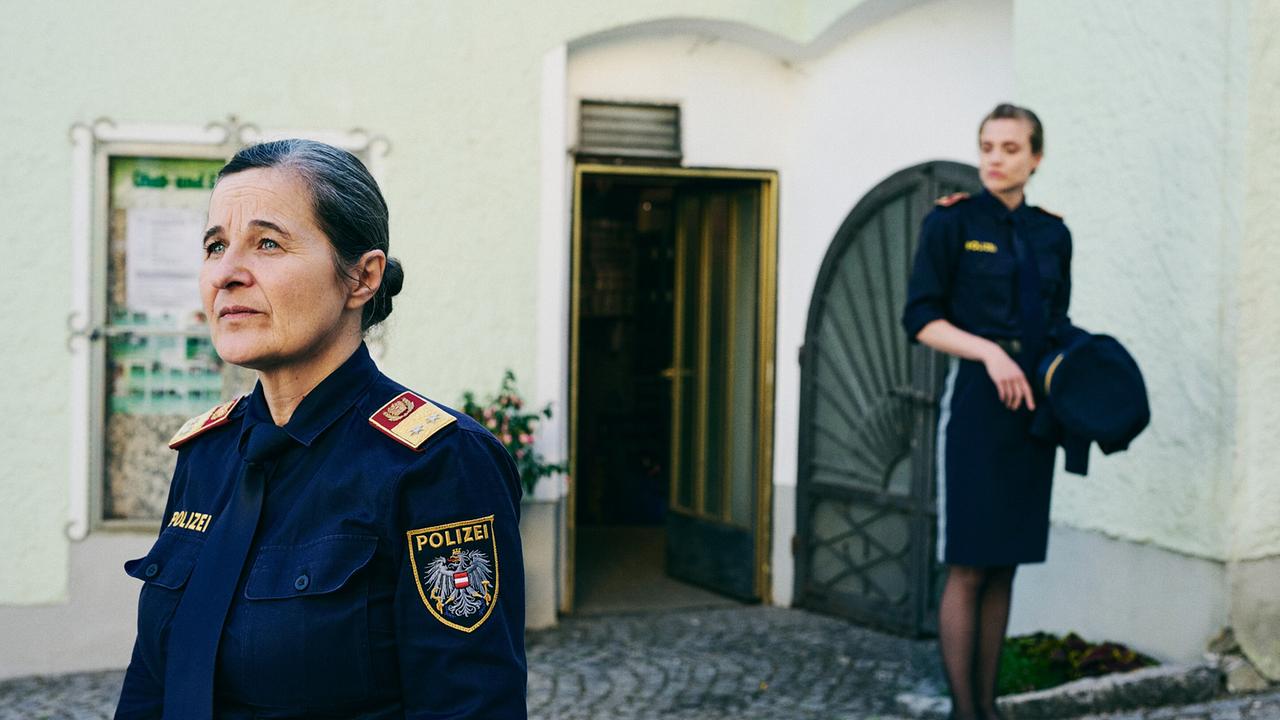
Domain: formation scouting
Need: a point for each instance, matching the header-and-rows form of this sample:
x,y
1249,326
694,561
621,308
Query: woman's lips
x,y
236,312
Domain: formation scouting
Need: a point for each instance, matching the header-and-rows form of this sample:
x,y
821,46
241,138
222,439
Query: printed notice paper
x,y
164,258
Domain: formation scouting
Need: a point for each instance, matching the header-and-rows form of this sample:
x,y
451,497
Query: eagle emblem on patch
x,y
455,567
399,409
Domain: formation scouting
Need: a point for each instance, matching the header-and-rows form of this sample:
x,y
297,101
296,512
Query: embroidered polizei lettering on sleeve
x,y
455,568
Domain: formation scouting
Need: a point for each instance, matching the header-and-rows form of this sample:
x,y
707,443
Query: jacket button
x,y
302,582
151,570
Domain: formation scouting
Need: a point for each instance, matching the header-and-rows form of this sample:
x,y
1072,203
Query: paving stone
x,y
740,663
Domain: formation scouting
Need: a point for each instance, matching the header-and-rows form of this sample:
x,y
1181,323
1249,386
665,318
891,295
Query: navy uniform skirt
x,y
994,478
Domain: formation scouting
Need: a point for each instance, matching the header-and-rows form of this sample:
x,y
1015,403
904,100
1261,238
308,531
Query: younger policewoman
x,y
990,287
334,545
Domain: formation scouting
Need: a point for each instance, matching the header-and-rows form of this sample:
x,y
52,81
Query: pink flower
x,y
525,438
491,424
506,438
520,453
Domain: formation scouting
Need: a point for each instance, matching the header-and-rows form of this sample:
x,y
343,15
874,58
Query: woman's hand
x,y
1010,382
1009,379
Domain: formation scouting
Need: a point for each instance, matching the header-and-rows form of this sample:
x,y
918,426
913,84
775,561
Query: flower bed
x,y
1041,660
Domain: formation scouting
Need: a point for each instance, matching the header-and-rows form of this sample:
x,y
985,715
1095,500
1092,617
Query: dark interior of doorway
x,y
624,401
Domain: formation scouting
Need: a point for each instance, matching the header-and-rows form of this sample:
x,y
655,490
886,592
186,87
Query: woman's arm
x,y
141,697
459,607
1009,379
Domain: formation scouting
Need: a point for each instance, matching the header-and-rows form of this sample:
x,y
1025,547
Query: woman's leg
x,y
958,635
993,621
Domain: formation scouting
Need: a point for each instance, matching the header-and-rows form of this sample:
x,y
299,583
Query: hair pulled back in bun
x,y
348,206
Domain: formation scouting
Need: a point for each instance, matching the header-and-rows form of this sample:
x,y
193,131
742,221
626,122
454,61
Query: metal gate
x,y
868,416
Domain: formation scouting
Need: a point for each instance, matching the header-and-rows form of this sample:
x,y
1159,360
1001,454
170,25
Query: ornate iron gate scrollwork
x,y
868,413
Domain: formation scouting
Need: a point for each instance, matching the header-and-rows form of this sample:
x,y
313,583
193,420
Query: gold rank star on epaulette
x,y
207,420
410,419
952,199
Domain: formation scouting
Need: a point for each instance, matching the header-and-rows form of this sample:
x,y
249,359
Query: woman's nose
x,y
229,270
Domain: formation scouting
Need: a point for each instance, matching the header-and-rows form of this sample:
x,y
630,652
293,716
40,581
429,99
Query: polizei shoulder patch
x,y
207,420
410,419
455,567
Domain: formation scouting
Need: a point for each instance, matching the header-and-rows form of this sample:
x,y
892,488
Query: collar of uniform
x,y
324,404
332,397
999,209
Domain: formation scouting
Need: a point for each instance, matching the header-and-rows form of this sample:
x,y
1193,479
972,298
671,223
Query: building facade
x,y
766,152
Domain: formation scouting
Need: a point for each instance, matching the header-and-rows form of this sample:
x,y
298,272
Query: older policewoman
x,y
334,544
990,287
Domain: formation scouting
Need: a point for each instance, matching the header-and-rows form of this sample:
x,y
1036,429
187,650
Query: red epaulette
x,y
952,199
207,420
410,419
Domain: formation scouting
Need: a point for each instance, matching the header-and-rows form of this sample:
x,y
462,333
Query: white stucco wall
x,y
1255,570
1139,158
904,90
1256,510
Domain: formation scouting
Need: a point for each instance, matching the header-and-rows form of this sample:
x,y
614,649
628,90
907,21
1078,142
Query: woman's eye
x,y
214,247
269,244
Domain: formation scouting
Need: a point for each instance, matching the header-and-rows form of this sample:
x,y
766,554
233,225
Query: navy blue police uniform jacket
x,y
385,578
994,477
965,269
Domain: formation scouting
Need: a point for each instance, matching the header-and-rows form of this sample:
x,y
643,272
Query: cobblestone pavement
x,y
754,662
743,663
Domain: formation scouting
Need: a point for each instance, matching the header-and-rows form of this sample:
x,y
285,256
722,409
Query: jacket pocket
x,y
302,633
164,572
282,572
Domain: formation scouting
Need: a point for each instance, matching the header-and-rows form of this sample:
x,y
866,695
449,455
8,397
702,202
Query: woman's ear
x,y
367,272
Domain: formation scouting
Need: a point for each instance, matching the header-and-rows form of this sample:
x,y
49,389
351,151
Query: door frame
x,y
767,277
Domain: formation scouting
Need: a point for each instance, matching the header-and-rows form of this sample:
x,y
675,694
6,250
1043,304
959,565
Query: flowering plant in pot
x,y
504,415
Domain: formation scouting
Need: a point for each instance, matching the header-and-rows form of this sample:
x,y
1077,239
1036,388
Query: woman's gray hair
x,y
347,203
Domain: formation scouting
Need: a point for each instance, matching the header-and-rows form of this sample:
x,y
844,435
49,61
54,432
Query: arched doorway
x,y
868,410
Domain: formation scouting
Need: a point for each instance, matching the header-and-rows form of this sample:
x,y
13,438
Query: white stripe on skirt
x,y
944,417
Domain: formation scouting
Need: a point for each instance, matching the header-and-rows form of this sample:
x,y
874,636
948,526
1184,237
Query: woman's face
x,y
268,282
1005,160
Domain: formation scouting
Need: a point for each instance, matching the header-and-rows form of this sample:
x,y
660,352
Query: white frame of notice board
x,y
93,146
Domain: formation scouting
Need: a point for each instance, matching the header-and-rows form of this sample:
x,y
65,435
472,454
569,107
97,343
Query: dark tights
x,y
972,619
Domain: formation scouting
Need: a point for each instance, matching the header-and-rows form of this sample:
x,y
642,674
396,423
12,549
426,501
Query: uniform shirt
x,y
965,270
353,601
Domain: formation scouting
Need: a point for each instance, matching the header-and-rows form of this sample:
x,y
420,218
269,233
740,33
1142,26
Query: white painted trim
x,y
552,352
105,130
80,317
551,359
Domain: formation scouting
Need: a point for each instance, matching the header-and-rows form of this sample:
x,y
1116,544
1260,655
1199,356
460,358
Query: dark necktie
x,y
202,611
1030,310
